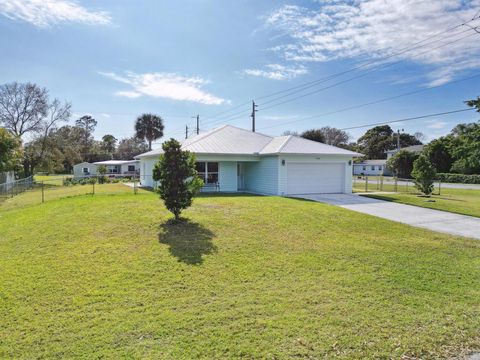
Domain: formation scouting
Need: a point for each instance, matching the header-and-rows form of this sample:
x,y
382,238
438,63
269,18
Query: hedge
x,y
458,178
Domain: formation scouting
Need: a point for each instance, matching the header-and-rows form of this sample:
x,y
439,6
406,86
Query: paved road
x,y
436,220
403,183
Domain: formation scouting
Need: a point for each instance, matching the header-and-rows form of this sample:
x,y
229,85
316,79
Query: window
x,y
373,167
131,168
380,167
208,171
364,168
85,170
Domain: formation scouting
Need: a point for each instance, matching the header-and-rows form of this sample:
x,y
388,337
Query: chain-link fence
x,y
41,189
388,184
12,188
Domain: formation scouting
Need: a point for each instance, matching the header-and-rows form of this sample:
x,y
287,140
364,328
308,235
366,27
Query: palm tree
x,y
149,127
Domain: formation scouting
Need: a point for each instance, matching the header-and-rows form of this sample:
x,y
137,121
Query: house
x,y
417,149
84,169
371,167
230,159
114,167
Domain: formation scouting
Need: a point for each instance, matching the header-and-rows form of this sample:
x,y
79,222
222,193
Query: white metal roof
x,y
232,140
115,162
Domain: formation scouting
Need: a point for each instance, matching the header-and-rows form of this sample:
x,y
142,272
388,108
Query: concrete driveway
x,y
435,220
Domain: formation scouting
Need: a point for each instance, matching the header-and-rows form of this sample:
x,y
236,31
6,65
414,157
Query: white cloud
x,y
350,29
436,124
44,13
278,72
165,85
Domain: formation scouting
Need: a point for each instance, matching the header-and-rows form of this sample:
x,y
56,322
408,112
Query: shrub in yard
x,y
177,176
102,170
458,178
423,174
401,163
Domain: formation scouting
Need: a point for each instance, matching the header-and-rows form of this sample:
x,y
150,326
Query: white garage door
x,y
315,178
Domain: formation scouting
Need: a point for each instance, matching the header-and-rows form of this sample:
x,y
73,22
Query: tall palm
x,y
149,127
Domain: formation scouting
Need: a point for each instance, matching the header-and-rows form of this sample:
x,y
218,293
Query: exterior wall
x,y
78,169
227,172
282,170
262,176
358,169
146,171
124,167
227,176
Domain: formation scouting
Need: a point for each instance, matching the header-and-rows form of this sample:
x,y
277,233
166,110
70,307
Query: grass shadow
x,y
188,241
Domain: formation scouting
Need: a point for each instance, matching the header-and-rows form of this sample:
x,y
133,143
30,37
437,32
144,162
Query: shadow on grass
x,y
188,241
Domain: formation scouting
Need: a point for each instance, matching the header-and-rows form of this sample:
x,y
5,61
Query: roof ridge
x,y
249,131
289,137
206,135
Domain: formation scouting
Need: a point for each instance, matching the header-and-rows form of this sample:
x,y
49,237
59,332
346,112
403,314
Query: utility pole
x,y
398,139
254,110
198,123
186,131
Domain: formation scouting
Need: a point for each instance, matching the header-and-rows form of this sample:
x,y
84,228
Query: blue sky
x,y
116,59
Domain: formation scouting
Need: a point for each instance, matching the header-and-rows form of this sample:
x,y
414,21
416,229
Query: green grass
x,y
466,202
53,192
247,277
56,180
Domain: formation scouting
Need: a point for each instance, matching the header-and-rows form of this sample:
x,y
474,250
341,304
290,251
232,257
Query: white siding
x,y
358,170
227,176
78,169
146,171
262,177
282,169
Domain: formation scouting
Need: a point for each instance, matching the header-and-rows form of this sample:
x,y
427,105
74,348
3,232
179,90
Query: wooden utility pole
x,y
186,131
254,110
198,123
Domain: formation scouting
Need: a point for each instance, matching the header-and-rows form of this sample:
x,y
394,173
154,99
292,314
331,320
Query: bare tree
x,y
334,136
23,107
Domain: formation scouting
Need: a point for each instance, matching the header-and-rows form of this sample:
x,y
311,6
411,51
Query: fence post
x,y
366,183
439,186
43,192
381,183
134,185
395,185
93,183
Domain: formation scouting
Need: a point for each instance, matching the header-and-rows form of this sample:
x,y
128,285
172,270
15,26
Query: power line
x,y
303,87
354,78
374,69
324,79
315,82
381,66
407,119
373,102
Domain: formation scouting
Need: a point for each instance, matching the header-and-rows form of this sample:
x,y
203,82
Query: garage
x,y
315,178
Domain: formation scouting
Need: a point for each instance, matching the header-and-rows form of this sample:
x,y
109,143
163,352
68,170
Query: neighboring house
x,y
84,169
417,149
371,167
114,167
231,159
124,167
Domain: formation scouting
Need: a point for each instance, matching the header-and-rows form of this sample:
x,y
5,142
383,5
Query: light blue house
x,y
230,159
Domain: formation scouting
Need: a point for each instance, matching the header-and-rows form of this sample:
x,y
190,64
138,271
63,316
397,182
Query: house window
x,y
208,171
364,168
380,168
373,167
131,168
85,170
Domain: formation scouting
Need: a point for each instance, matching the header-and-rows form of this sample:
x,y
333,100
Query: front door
x,y
240,177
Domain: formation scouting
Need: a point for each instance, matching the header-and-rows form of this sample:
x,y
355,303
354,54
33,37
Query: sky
x,y
360,61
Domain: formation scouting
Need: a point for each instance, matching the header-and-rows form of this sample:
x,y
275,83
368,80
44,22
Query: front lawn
x,y
107,276
466,202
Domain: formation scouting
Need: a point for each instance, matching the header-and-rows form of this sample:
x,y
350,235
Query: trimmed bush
x,y
458,178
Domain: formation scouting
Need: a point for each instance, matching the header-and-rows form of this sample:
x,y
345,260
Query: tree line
x,y
36,137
